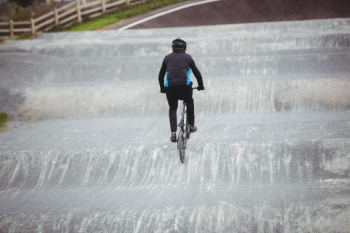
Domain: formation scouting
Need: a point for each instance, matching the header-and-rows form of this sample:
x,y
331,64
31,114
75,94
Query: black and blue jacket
x,y
177,67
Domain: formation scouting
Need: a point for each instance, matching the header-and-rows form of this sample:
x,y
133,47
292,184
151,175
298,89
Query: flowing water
x,y
88,149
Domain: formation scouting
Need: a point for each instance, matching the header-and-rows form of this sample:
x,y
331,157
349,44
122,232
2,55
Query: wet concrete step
x,y
213,165
244,30
232,95
237,45
218,216
246,149
56,71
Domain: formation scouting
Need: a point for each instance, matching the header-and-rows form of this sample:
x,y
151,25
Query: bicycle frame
x,y
184,133
182,121
184,126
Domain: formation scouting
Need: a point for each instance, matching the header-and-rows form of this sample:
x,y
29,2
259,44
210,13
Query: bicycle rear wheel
x,y
181,146
187,127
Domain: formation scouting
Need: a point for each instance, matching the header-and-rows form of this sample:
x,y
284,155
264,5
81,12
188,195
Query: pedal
x,y
181,124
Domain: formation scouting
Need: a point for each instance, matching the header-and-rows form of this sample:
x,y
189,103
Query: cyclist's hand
x,y
162,90
200,88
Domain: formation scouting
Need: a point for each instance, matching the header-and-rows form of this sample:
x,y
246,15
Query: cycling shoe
x,y
193,128
173,137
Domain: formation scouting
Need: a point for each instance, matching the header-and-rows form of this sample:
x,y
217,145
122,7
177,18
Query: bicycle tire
x,y
187,128
181,146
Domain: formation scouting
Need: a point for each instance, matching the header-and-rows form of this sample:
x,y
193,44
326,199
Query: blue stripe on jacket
x,y
166,79
188,77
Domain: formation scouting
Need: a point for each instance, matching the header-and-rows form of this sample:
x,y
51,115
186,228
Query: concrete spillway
x,y
272,153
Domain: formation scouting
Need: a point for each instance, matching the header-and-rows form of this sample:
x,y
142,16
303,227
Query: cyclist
x,y
177,67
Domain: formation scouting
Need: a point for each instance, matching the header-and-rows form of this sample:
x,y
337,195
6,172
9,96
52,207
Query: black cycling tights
x,y
173,94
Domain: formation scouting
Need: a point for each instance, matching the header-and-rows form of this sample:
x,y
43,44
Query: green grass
x,y
24,36
123,13
3,119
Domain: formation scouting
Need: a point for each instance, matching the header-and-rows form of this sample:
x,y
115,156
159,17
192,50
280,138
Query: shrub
x,y
3,119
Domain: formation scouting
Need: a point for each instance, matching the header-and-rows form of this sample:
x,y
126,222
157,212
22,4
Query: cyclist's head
x,y
179,44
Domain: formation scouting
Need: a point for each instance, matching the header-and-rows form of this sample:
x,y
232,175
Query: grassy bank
x,y
3,119
106,19
24,36
123,13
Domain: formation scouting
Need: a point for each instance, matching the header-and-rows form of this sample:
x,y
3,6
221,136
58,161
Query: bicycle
x,y
184,133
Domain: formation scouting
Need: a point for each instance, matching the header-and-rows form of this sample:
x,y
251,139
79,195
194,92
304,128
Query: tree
x,y
23,3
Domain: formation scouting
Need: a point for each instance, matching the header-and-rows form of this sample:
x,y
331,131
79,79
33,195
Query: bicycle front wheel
x,y
181,146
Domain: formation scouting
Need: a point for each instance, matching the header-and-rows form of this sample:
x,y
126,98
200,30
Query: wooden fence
x,y
65,16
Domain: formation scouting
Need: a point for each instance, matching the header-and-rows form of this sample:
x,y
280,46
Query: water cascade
x,y
89,151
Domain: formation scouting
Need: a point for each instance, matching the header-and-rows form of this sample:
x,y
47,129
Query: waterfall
x,y
88,148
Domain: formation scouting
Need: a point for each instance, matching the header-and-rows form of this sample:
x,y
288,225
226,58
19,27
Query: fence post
x,y
103,6
127,2
33,25
11,29
78,11
56,16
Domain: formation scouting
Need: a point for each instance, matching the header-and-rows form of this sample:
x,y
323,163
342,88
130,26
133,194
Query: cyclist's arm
x,y
196,72
161,75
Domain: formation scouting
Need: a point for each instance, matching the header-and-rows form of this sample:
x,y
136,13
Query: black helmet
x,y
179,43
